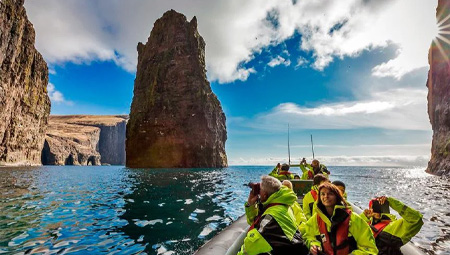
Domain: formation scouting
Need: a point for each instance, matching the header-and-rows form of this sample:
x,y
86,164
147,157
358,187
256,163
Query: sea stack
x,y
439,97
24,102
176,121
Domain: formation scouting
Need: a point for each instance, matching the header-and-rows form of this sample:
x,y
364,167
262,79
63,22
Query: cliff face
x,y
175,120
439,98
24,102
85,140
112,143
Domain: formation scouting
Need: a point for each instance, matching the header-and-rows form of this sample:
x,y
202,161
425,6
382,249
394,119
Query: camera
x,y
256,187
380,208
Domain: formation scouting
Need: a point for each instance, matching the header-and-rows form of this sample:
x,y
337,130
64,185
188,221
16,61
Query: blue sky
x,y
352,73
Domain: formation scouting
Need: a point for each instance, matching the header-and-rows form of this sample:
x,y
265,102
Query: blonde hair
x,y
270,184
287,184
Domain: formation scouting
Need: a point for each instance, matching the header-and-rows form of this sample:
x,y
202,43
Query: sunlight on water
x,y
93,210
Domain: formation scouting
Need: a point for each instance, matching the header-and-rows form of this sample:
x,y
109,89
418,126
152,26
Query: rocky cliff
x,y
24,102
439,97
85,140
175,119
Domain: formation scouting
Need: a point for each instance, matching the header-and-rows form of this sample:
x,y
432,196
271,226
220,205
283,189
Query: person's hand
x,y
252,198
314,249
381,199
368,213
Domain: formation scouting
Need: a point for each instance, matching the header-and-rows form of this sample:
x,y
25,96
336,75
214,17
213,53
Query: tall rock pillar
x,y
24,102
175,120
439,96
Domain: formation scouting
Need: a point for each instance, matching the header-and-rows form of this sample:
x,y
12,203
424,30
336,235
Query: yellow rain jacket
x,y
360,237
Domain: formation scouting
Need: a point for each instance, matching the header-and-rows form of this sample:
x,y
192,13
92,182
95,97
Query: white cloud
x,y
82,31
394,160
279,60
403,109
301,62
56,97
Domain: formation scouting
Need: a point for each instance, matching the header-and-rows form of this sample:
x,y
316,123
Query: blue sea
x,y
116,210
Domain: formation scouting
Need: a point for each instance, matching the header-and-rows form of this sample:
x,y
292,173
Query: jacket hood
x,y
284,196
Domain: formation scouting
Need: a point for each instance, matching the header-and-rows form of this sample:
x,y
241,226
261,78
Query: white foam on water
x,y
161,205
161,250
143,223
199,211
207,230
188,201
193,217
214,218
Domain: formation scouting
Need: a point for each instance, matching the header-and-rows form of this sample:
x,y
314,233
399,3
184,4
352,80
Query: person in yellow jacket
x,y
341,187
310,170
334,229
392,233
283,173
272,223
275,170
313,195
296,208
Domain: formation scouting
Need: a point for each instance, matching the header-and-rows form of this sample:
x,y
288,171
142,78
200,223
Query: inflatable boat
x,y
230,240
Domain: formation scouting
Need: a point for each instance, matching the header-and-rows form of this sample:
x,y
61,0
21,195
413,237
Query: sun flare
x,y
442,33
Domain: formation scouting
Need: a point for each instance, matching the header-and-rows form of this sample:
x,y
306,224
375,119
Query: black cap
x,y
339,183
285,167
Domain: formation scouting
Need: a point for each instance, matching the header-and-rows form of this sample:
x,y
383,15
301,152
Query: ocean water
x,y
116,210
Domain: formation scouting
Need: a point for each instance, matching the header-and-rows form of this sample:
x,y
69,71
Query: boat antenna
x,y
289,148
312,146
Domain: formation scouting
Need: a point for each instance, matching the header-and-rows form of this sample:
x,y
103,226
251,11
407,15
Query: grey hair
x,y
270,184
287,183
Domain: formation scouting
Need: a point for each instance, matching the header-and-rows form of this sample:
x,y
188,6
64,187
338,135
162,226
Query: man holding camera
x,y
272,223
309,170
391,233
